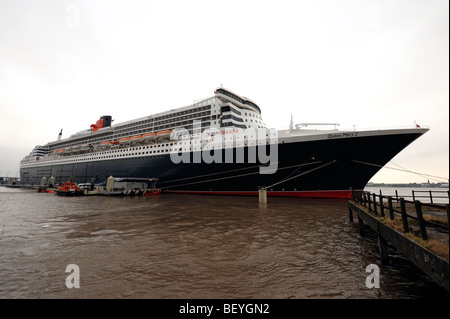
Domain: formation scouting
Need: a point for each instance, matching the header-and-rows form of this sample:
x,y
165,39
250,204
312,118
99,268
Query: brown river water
x,y
188,246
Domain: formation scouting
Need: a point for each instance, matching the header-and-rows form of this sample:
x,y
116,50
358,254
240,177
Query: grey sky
x,y
63,64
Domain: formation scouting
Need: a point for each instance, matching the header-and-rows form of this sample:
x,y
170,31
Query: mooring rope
x,y
301,174
233,176
398,169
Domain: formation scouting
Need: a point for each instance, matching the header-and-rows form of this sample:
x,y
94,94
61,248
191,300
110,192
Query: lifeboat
x,y
136,139
115,144
106,144
124,140
43,189
69,189
151,192
149,137
58,152
164,134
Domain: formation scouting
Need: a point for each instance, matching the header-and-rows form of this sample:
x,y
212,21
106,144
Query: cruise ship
x,y
212,147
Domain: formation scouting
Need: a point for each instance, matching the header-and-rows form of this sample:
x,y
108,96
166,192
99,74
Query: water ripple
x,y
190,247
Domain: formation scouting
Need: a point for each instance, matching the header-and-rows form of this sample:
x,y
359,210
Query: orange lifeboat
x,y
164,134
105,144
58,151
149,136
151,192
136,139
115,144
69,189
124,140
43,189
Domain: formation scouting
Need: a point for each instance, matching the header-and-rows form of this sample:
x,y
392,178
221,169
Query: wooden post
x,y
383,248
448,221
368,202
350,214
263,196
361,226
404,216
414,197
375,203
423,229
381,205
391,209
396,195
431,197
359,197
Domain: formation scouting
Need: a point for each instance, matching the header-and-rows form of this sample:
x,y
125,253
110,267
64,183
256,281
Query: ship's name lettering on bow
x,y
343,135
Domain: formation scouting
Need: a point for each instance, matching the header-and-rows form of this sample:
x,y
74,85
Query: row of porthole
x,y
68,161
138,153
134,154
122,155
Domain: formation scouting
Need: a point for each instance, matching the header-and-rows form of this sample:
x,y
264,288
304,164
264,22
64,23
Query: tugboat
x,y
69,189
151,189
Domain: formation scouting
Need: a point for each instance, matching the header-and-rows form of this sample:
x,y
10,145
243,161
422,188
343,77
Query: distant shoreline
x,y
411,185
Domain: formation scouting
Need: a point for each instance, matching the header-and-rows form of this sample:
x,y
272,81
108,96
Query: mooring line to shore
x,y
301,174
226,177
398,169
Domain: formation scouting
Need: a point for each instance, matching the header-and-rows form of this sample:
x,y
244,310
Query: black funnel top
x,y
107,120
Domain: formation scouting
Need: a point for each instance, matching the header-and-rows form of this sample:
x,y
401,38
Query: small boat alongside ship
x,y
112,187
44,189
69,189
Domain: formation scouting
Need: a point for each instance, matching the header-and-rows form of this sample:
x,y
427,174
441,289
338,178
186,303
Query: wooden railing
x,y
425,195
389,206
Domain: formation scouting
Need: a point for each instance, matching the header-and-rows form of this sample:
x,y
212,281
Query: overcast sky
x,y
63,64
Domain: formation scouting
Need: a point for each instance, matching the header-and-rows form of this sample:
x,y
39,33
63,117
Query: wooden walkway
x,y
418,231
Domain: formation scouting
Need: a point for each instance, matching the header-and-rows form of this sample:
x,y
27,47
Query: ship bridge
x,y
238,111
225,95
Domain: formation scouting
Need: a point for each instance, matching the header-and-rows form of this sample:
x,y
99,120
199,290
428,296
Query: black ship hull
x,y
330,167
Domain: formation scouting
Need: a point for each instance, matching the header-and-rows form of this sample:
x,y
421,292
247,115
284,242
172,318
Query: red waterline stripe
x,y
346,194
